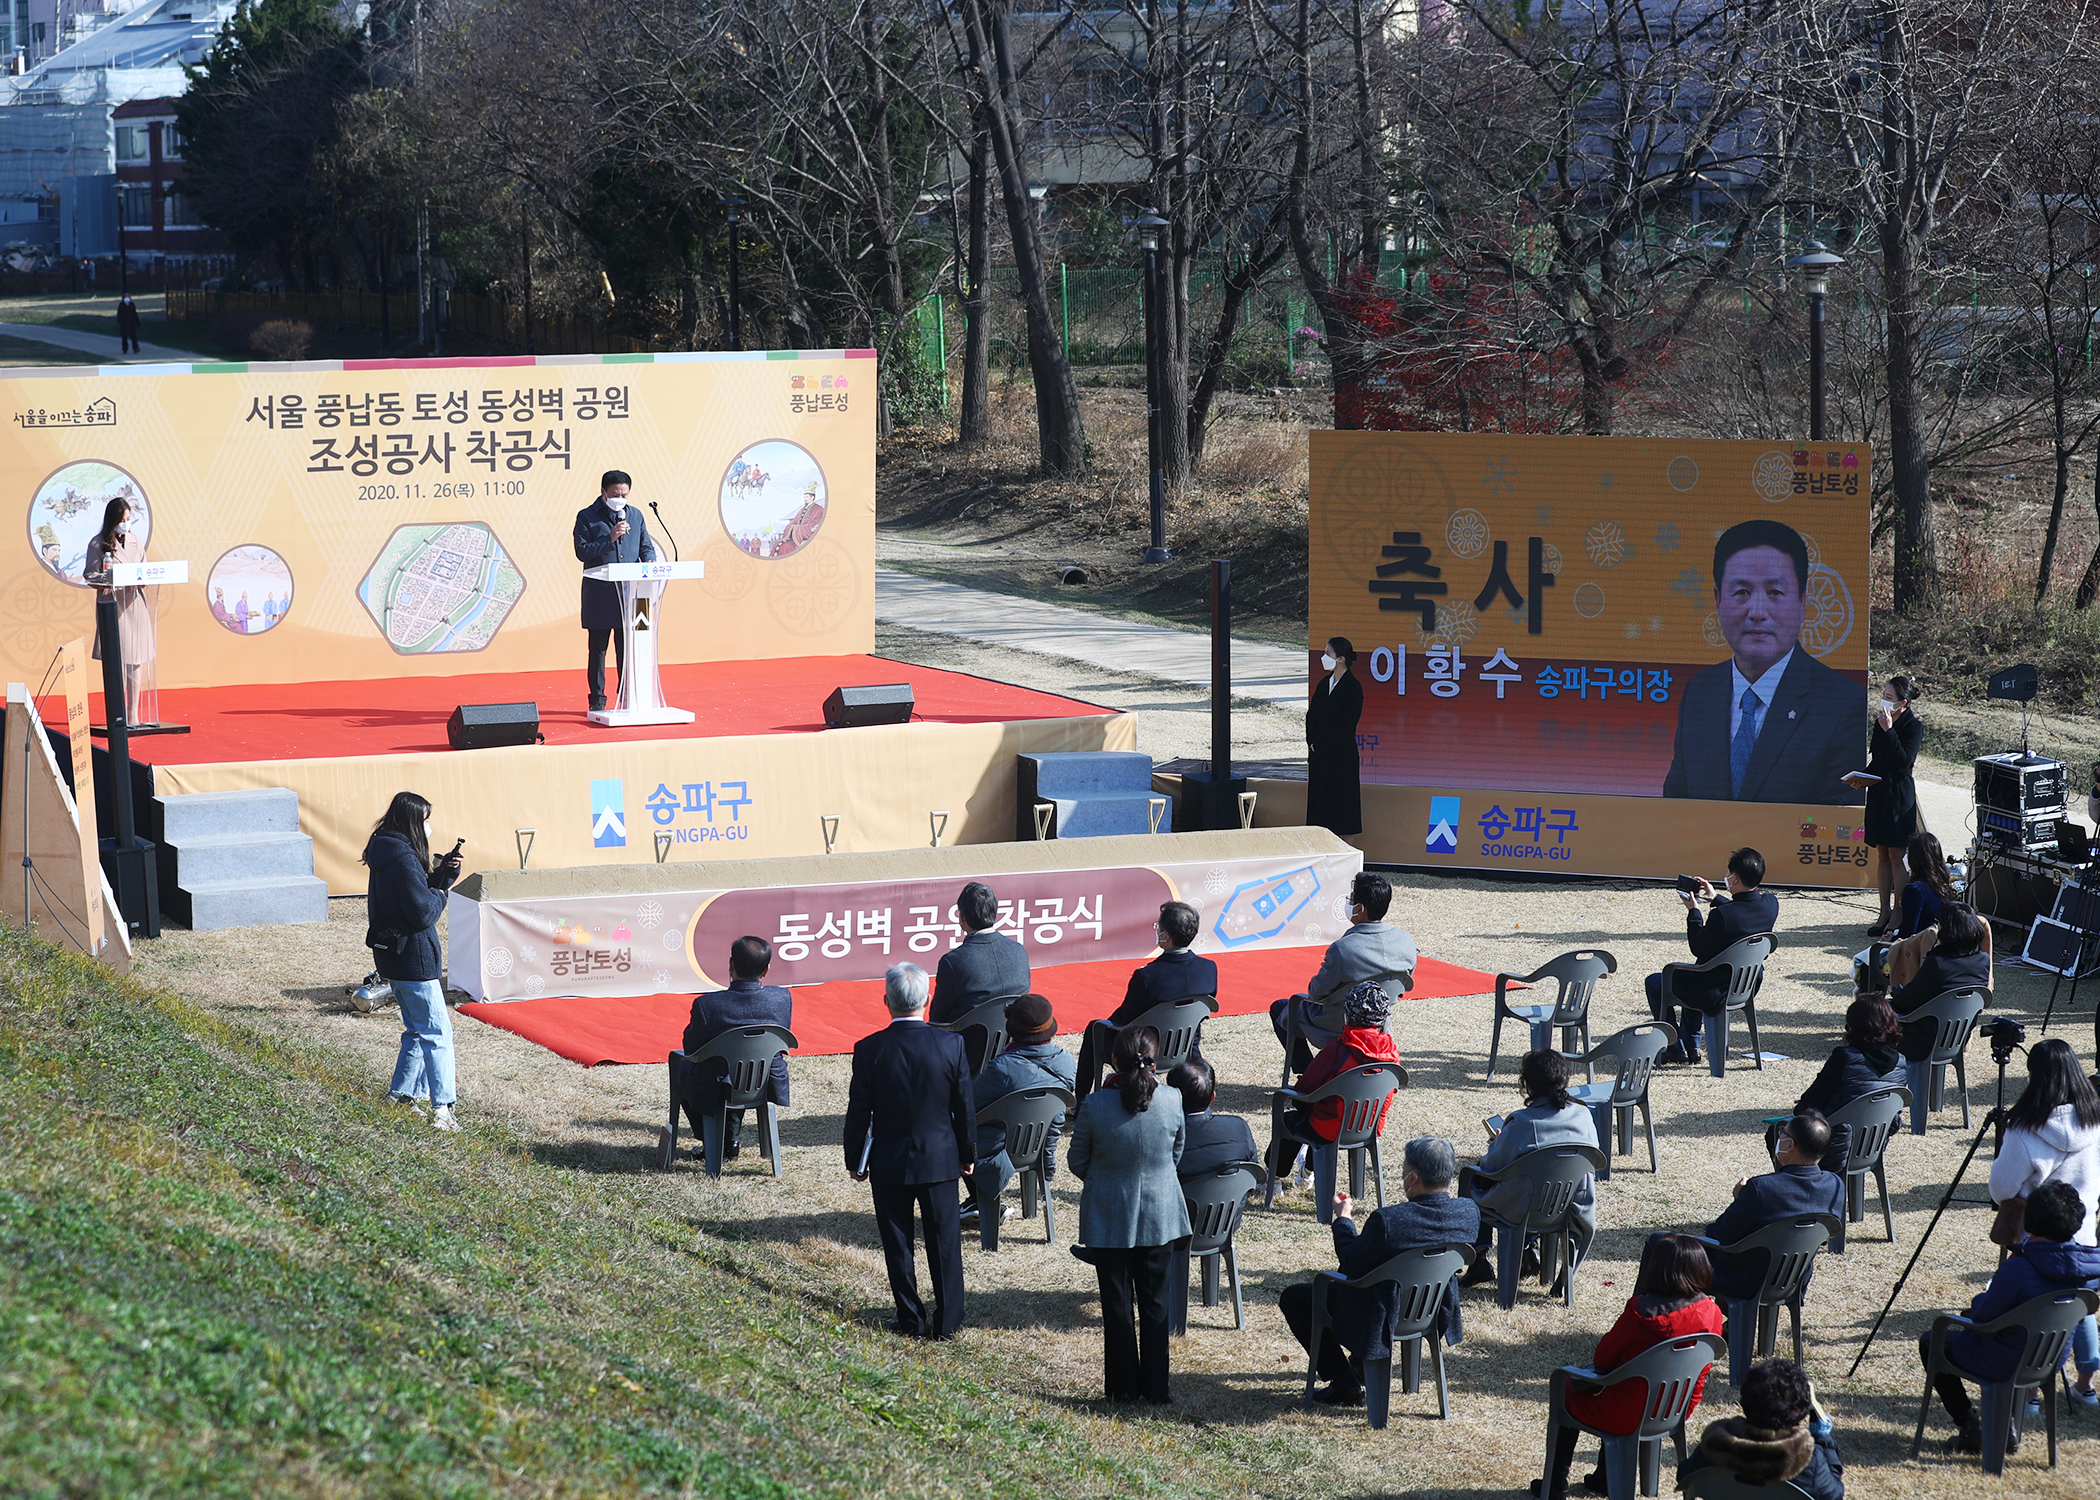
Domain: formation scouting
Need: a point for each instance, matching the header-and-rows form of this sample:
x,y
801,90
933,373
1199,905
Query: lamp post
x,y
1815,264
736,235
1149,224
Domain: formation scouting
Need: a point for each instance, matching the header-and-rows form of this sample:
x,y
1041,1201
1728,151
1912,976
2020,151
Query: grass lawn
x,y
14,351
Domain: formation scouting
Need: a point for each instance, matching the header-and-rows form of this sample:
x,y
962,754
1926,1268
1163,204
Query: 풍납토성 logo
x,y
608,815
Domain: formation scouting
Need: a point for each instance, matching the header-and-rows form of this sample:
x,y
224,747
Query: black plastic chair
x,y
1871,1119
1953,1015
1744,959
2046,1322
1177,1021
1297,1046
1577,974
747,1054
1612,1102
1216,1200
1363,1093
1672,1371
988,1020
1423,1279
1026,1115
1790,1247
1557,1174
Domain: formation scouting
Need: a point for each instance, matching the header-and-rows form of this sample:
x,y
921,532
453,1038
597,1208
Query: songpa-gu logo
x,y
608,814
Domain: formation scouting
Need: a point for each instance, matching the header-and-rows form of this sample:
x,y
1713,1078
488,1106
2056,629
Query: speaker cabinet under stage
x,y
880,703
476,726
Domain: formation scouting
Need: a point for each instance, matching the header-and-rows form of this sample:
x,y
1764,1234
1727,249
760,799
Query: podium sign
x,y
641,624
134,575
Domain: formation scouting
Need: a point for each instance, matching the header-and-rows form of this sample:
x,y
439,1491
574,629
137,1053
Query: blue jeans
x,y
425,1065
2085,1346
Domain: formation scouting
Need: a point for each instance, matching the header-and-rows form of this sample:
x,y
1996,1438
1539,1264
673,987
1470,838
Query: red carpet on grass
x,y
830,1018
406,715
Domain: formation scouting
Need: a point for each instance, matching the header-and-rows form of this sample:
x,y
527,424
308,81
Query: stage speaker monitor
x,y
877,703
476,726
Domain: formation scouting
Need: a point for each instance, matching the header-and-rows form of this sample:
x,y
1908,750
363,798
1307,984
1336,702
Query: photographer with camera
x,y
404,900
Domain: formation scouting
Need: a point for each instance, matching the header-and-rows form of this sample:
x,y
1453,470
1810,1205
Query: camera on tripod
x,y
2006,1037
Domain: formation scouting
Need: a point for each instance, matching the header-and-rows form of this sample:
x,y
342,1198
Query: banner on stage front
x,y
1565,639
417,517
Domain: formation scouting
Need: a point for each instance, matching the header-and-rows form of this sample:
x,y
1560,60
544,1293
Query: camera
x,y
2006,1036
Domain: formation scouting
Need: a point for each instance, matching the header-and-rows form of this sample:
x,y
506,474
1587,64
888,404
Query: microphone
x,y
667,530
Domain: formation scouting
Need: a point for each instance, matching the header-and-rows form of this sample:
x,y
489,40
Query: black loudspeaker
x,y
880,703
476,726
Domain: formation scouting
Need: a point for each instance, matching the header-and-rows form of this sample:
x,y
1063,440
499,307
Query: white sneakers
x,y
442,1118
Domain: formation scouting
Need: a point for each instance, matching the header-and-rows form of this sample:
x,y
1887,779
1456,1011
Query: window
x,y
131,143
171,141
136,205
177,212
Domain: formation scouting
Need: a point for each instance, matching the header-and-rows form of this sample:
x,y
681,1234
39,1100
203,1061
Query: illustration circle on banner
x,y
1454,627
773,499
30,626
1605,544
1589,601
534,985
1826,611
730,570
1772,476
66,512
1711,629
1466,533
496,962
1684,472
1380,488
1550,559
649,915
249,589
811,592
1815,553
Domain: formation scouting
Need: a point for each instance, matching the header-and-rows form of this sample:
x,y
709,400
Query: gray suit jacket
x,y
1369,950
1127,1161
1527,1130
983,966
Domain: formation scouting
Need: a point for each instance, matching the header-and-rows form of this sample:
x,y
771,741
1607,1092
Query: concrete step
x,y
240,856
256,903
198,815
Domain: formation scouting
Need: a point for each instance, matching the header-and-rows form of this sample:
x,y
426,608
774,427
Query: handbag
x,y
2011,1222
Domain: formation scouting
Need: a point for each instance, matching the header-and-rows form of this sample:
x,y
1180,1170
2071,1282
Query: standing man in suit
x,y
911,1130
1177,974
749,1001
985,965
1368,950
1799,1186
1744,912
1209,1140
1771,724
608,530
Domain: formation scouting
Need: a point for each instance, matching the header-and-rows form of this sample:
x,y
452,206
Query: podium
x,y
144,676
641,699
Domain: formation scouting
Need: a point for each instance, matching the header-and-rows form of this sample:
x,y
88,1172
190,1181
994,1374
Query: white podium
x,y
144,676
641,699
135,575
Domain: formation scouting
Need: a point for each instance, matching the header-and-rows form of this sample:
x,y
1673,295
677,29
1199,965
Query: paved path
x,y
104,346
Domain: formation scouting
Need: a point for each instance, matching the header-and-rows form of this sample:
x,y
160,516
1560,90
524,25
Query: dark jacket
x,y
911,1088
1921,908
1849,1073
1176,974
1732,919
1211,1140
1772,1198
984,966
1363,1320
2034,1269
1892,754
1808,739
403,903
1037,1065
747,1002
595,547
1936,975
1333,784
1806,1456
127,319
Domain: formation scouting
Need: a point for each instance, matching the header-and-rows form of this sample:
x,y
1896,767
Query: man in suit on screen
x,y
1770,724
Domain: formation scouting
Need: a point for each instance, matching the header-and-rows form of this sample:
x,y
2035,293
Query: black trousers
x,y
1953,1394
1136,1287
1687,1019
1336,1363
594,667
941,1211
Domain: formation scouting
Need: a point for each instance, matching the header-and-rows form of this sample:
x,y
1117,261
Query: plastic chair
x,y
2046,1322
1672,1371
1612,1103
1577,974
1723,1484
1953,1015
1026,1115
1395,984
1744,959
1363,1092
1422,1279
1872,1120
1216,1201
747,1054
1790,1248
1557,1173
987,1017
1177,1021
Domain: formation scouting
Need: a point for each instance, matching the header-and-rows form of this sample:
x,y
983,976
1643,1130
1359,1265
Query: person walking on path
x,y
403,903
127,324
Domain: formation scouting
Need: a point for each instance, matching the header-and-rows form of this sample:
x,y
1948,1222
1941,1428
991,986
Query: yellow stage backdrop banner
x,y
1556,637
393,518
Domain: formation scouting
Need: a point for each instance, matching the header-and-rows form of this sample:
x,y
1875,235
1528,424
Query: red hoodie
x,y
1356,1046
1619,1409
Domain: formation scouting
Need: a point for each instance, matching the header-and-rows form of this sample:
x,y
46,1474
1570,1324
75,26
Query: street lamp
x,y
1149,224
1815,264
736,235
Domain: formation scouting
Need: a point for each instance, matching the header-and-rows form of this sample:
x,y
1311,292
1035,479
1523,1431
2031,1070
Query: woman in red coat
x,y
1668,1302
1365,1010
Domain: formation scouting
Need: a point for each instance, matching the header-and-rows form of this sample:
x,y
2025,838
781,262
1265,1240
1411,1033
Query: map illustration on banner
x,y
441,588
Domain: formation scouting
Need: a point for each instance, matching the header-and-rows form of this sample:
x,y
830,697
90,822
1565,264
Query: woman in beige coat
x,y
115,543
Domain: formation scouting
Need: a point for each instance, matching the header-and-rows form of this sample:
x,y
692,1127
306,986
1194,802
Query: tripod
x,y
1996,1118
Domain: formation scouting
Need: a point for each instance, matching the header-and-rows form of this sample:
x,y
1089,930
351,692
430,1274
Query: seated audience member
x,y
1360,1321
1177,974
1669,1301
1744,912
1363,1039
1032,1060
1957,962
1783,1436
1550,1117
1931,883
749,1001
1865,1061
1370,949
985,965
2048,1260
1799,1186
1211,1140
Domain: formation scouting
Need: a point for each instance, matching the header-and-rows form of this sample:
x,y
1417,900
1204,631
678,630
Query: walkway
x,y
103,346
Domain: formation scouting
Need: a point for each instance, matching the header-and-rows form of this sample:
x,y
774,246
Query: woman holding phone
x,y
1892,796
404,900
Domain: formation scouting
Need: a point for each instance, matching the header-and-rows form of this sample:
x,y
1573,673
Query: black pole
x,y
1815,366
1157,552
1220,671
736,312
128,859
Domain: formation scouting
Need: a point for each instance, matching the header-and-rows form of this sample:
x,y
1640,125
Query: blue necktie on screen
x,y
1745,741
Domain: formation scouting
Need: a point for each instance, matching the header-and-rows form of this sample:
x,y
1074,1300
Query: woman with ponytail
x,y
1126,1144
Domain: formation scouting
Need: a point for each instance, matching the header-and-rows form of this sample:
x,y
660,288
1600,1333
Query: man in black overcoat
x,y
608,530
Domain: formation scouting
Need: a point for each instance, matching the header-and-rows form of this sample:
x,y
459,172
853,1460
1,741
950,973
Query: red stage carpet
x,y
830,1018
406,715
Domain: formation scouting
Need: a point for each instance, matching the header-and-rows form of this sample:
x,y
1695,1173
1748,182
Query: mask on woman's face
x,y
429,830
1327,661
1888,705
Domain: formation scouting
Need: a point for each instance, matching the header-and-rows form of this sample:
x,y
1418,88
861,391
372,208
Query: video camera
x,y
2006,1037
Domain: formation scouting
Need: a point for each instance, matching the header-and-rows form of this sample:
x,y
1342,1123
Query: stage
x,y
750,777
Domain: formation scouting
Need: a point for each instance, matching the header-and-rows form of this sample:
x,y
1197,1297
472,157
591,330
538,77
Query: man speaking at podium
x,y
608,530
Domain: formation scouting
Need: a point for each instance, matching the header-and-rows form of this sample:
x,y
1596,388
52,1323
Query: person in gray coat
x,y
1550,1117
1032,1060
1370,949
1126,1143
985,965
